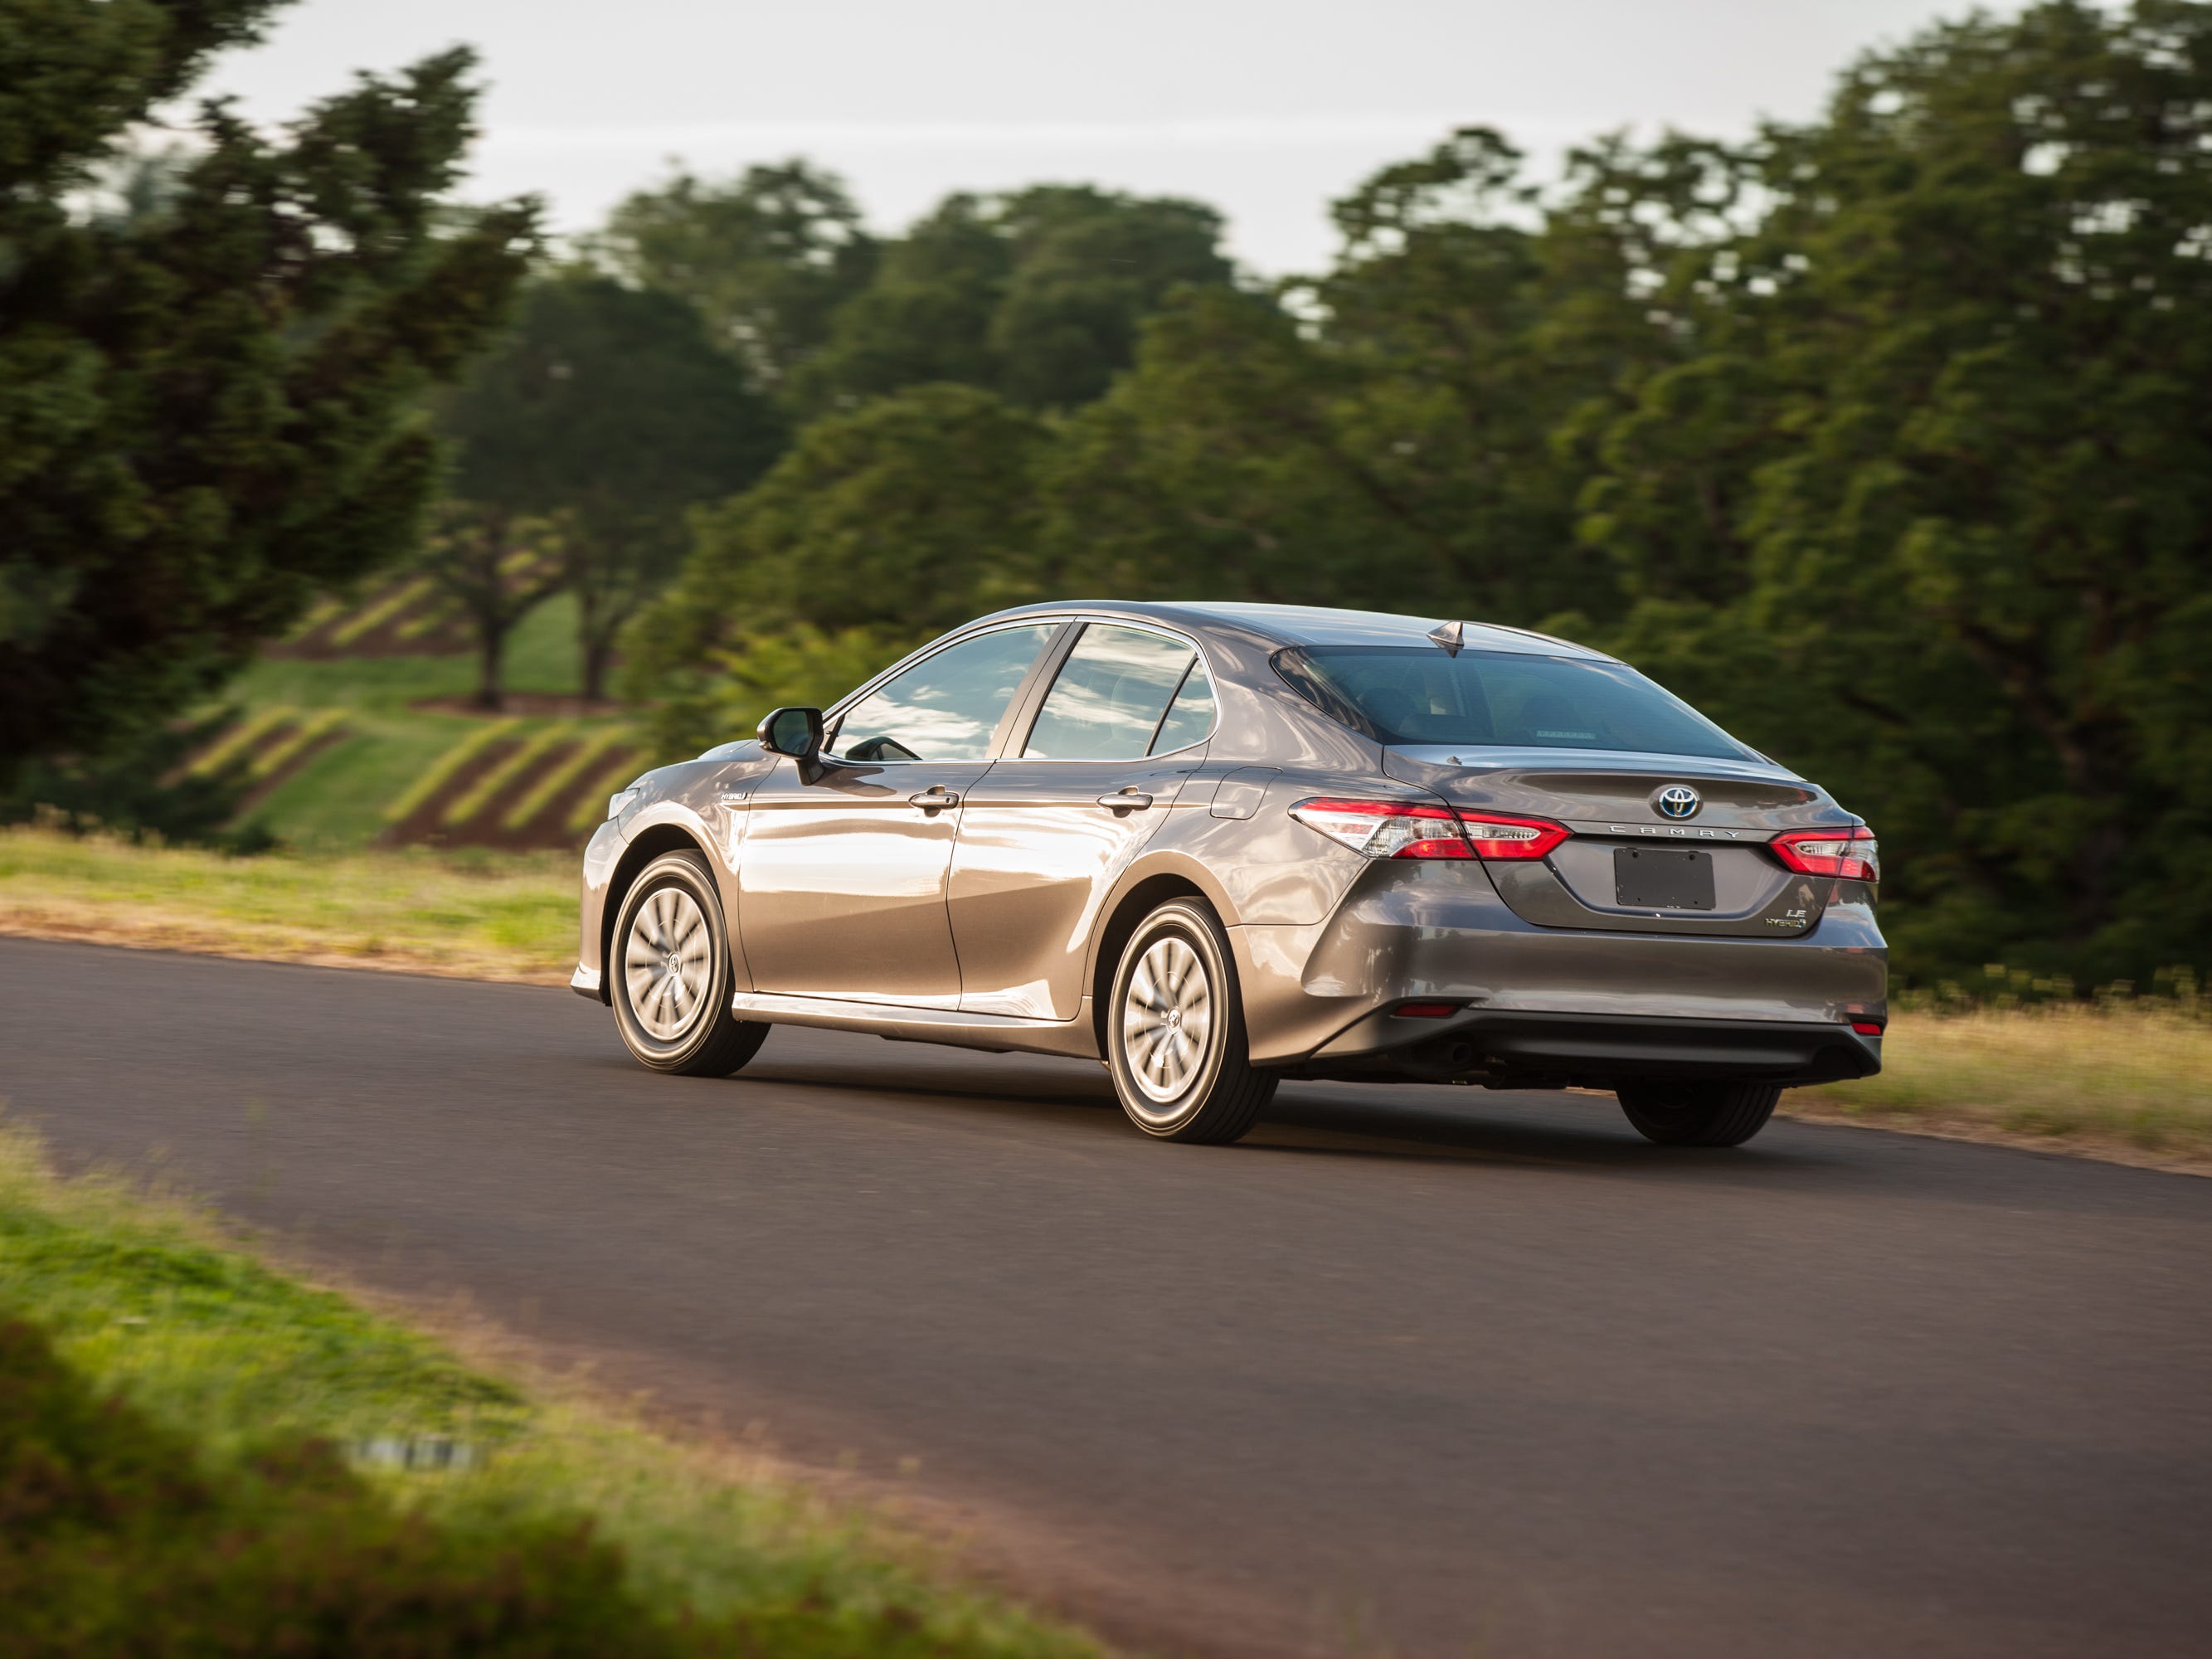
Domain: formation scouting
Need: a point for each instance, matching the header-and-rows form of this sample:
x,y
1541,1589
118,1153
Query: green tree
x,y
1384,430
1037,294
766,258
494,567
877,530
1930,510
608,407
208,410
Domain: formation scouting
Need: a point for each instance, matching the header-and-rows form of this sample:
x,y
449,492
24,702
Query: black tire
x,y
1694,1113
1204,1090
685,1025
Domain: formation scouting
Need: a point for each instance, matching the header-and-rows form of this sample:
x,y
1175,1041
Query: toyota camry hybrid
x,y
1216,846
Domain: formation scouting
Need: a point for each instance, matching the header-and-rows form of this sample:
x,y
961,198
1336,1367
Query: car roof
x,y
1308,625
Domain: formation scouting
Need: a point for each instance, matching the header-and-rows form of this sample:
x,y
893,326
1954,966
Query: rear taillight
x,y
1386,829
1498,837
1407,829
1851,853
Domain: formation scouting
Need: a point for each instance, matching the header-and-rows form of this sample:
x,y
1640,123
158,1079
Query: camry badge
x,y
1677,800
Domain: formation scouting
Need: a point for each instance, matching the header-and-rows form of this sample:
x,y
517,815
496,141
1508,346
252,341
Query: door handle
x,y
934,798
1128,800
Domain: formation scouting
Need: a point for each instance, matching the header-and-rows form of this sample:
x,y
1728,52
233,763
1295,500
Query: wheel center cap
x,y
1175,1018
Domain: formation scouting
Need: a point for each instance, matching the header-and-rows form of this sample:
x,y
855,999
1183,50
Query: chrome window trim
x,y
1088,620
834,716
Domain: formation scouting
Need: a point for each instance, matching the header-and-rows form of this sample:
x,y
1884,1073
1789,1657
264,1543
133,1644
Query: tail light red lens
x,y
1851,853
1410,829
1495,836
1386,829
1867,1027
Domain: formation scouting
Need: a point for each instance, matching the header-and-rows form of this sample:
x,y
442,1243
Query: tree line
x,y
1881,437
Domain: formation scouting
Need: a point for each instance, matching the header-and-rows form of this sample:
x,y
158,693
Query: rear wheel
x,y
1691,1113
1174,1032
670,973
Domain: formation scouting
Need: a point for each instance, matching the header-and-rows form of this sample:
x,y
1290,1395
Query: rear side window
x,y
1112,696
1406,695
946,707
1190,716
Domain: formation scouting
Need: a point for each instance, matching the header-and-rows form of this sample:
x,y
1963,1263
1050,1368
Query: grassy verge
x,y
2130,1079
509,916
218,1500
2118,1078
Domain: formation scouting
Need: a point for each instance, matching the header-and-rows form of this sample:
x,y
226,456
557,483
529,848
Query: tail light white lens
x,y
1386,829
1495,836
1851,853
1404,829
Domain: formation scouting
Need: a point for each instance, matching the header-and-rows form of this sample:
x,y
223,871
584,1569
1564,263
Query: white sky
x,y
1265,108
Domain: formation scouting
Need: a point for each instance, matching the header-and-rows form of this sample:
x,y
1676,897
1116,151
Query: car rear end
x,y
1534,906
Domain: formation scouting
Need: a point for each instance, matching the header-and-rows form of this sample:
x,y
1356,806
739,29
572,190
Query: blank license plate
x,y
1663,878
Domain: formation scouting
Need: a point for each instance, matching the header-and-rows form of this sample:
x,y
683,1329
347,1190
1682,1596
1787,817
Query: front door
x,y
841,876
1047,832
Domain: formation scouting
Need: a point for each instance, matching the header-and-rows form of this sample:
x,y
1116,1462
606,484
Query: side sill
x,y
1000,1033
585,982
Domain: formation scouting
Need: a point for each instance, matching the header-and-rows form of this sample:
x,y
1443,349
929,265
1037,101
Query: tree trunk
x,y
597,653
491,647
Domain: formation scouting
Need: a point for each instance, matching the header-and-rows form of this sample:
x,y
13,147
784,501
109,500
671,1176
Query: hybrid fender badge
x,y
1677,800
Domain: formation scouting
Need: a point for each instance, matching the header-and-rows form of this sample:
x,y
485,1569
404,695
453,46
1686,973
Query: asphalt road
x,y
1414,1371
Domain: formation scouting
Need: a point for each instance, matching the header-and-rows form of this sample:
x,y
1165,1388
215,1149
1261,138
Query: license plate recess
x,y
1663,878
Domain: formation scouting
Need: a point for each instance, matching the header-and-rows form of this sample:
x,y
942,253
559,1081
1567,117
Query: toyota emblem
x,y
1677,800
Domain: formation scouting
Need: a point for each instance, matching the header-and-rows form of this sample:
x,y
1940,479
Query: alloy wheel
x,y
667,962
1167,1019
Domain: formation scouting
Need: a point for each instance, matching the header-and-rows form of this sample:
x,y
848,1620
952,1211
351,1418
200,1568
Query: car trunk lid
x,y
1633,865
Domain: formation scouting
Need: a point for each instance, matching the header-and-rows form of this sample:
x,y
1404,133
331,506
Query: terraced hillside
x,y
358,731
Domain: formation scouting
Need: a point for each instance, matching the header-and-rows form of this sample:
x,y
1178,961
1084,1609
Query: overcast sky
x,y
1265,108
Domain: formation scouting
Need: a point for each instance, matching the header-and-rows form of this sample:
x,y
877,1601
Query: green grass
x,y
497,915
147,1298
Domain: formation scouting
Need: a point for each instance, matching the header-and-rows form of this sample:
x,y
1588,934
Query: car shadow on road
x,y
1562,1130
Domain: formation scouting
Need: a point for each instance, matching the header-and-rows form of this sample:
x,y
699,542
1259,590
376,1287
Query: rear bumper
x,y
1512,1048
1540,1001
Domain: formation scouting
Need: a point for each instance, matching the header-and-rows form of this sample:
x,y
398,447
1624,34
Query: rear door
x,y
1046,832
842,875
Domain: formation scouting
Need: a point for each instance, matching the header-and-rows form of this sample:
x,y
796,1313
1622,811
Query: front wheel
x,y
1175,1033
672,973
1689,1113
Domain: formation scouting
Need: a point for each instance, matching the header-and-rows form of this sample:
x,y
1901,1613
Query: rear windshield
x,y
1404,695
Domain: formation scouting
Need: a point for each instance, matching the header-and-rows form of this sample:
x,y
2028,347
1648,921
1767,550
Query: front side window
x,y
1112,696
1417,694
946,707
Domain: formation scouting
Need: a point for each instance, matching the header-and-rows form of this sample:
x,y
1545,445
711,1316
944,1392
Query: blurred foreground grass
x,y
2124,1076
145,1299
484,915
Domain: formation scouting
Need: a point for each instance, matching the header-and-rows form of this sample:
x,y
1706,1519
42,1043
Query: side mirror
x,y
794,731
